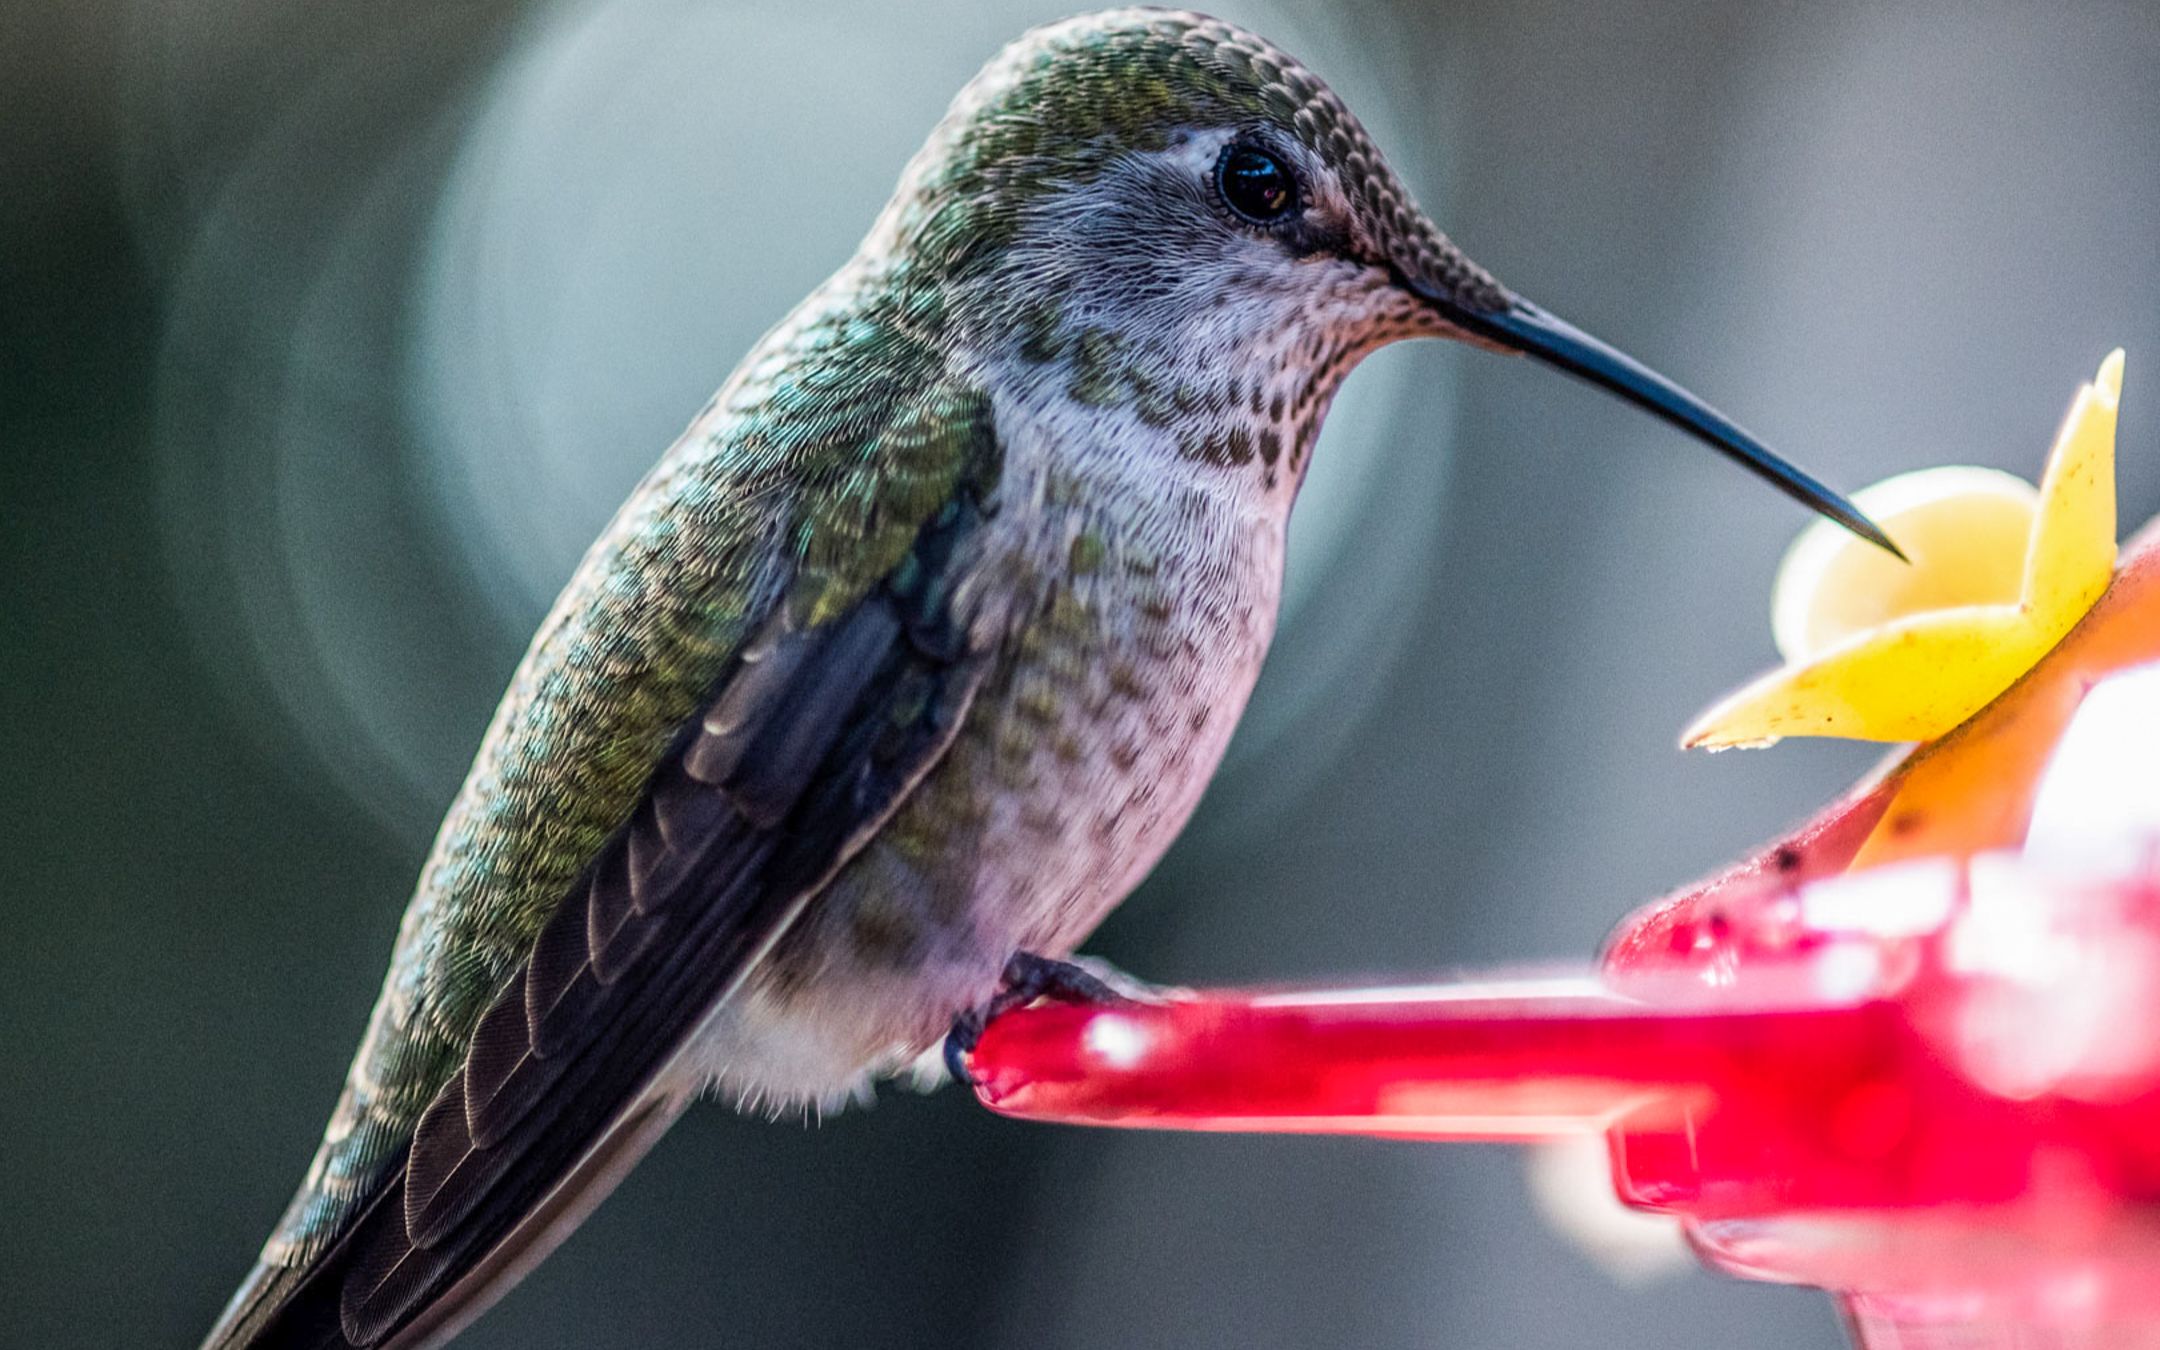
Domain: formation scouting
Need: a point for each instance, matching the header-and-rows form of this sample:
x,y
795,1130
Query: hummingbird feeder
x,y
1909,1054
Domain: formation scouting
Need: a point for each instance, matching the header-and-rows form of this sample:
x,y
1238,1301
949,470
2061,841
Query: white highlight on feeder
x,y
2098,808
1119,1042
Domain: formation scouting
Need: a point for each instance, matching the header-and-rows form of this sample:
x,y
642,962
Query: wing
x,y
814,737
848,682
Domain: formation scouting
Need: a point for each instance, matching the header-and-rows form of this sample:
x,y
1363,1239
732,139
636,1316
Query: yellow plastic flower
x,y
1880,650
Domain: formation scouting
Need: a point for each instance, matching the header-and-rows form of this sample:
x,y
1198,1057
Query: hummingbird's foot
x,y
1029,977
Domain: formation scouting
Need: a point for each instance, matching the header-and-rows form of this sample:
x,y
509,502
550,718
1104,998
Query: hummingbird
x,y
905,663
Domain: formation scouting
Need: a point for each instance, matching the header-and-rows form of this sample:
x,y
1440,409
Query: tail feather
x,y
271,1308
301,1308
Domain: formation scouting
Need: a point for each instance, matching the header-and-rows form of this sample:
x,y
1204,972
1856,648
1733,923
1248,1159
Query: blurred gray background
x,y
329,334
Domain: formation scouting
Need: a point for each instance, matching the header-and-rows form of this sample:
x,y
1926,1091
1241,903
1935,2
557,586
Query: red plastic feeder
x,y
1911,1054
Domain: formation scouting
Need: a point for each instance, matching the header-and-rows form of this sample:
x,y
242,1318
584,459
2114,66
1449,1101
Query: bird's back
x,y
777,493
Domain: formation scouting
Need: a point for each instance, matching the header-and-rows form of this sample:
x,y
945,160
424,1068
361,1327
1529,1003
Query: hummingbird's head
x,y
1160,213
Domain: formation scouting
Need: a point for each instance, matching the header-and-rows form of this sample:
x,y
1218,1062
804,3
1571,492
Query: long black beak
x,y
1523,327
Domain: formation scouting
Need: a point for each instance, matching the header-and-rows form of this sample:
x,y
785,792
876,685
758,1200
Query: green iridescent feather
x,y
802,488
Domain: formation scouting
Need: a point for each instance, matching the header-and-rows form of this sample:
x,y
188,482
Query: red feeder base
x,y
1930,1085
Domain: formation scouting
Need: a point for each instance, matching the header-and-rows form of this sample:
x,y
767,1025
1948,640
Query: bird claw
x,y
1027,978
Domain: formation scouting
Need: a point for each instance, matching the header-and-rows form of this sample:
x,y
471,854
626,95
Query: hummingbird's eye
x,y
1255,184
